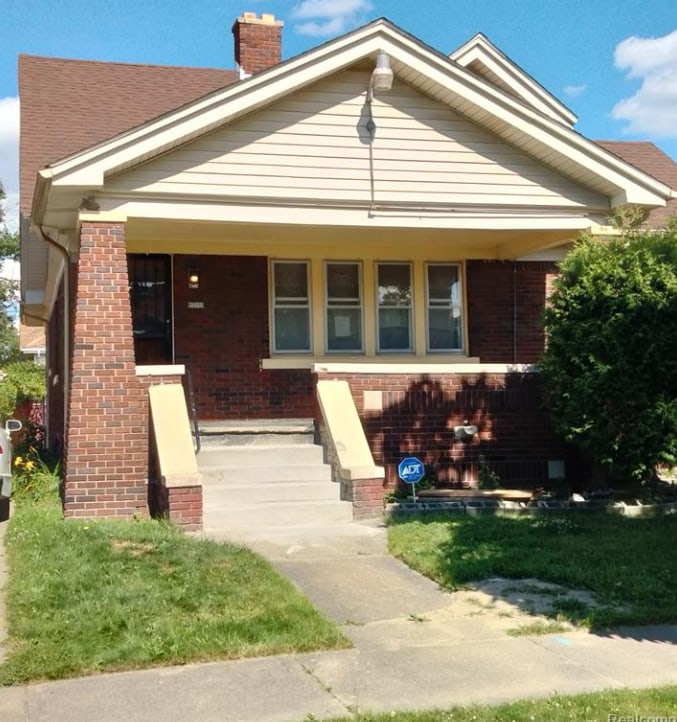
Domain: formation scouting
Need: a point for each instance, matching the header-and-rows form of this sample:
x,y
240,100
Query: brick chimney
x,y
258,42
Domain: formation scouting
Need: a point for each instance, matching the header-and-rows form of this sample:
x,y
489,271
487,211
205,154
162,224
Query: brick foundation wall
x,y
506,300
106,450
419,412
222,344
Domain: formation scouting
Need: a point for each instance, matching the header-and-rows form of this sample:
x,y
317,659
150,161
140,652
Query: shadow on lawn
x,y
615,570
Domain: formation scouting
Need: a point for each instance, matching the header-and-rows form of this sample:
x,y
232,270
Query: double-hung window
x,y
344,307
394,302
291,306
443,300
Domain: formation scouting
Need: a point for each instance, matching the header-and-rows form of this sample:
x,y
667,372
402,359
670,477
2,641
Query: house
x,y
32,343
372,211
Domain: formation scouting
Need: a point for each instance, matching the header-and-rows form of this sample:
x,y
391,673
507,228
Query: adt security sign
x,y
411,470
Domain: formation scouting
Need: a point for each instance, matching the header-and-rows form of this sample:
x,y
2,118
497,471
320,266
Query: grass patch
x,y
629,564
92,596
550,626
657,703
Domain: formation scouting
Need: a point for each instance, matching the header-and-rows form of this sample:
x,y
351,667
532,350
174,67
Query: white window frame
x,y
275,305
450,306
338,306
410,309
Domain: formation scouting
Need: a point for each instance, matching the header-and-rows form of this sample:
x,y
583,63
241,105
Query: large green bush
x,y
24,380
610,367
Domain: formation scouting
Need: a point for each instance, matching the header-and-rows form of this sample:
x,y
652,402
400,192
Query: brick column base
x,y
182,505
367,498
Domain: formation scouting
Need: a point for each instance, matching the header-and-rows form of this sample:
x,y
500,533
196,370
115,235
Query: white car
x,y
6,455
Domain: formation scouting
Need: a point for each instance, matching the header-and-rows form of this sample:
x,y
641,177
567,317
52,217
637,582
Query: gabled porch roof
x,y
531,121
412,61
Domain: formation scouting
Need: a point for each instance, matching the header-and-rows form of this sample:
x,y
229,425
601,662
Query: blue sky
x,y
613,62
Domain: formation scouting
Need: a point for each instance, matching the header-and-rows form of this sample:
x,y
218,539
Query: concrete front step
x,y
224,495
276,514
254,457
214,475
266,432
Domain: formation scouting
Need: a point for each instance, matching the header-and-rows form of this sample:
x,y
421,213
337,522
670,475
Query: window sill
x,y
393,365
161,370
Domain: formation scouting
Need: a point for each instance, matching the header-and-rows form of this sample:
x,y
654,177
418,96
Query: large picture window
x,y
394,300
344,307
443,300
291,306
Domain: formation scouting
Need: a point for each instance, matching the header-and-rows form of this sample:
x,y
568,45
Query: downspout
x,y
514,312
66,320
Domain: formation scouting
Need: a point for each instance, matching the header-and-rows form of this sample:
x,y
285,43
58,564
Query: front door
x,y
150,277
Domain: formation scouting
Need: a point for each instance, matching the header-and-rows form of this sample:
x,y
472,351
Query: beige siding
x,y
314,145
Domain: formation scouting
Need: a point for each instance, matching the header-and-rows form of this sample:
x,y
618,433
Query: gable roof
x,y
70,105
654,161
510,118
482,57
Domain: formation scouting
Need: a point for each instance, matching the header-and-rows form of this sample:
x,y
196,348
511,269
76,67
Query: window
x,y
344,307
394,301
291,306
443,302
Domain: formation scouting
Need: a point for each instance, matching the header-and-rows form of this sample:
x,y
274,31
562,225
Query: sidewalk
x,y
412,651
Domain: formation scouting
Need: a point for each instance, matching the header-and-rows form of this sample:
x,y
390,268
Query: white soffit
x,y
551,142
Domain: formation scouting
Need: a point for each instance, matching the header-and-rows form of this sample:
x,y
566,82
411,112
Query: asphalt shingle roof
x,y
69,105
652,160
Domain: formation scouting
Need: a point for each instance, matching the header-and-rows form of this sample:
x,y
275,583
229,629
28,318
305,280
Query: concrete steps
x,y
270,474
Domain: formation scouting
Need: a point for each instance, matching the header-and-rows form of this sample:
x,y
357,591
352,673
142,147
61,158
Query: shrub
x,y
610,368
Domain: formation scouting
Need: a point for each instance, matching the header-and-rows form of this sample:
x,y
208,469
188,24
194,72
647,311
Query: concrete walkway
x,y
412,650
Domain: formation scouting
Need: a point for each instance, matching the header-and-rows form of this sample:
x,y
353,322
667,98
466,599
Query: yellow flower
x,y
18,461
30,465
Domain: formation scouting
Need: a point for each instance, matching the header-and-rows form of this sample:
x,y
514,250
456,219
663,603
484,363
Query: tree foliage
x,y
610,368
9,251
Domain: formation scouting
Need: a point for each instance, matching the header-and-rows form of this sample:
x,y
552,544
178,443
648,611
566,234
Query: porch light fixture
x,y
382,76
193,278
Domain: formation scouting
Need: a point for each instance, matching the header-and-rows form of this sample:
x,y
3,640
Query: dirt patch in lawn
x,y
523,606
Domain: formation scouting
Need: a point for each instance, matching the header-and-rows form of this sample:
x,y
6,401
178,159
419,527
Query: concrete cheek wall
x,y
223,342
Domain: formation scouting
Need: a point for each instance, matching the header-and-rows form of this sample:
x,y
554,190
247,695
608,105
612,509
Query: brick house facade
x,y
275,191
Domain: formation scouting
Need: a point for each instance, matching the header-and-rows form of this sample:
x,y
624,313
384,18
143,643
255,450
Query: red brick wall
x,y
505,307
223,343
182,505
56,371
258,45
106,450
420,411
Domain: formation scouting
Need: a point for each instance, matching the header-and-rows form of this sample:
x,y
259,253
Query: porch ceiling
x,y
153,236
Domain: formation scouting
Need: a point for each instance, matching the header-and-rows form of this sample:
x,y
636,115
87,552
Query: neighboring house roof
x,y
32,339
654,161
69,105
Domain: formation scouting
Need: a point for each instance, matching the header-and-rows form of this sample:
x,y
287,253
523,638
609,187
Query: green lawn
x,y
635,705
85,597
629,564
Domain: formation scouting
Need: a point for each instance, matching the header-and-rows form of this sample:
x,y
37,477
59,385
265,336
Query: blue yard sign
x,y
411,470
